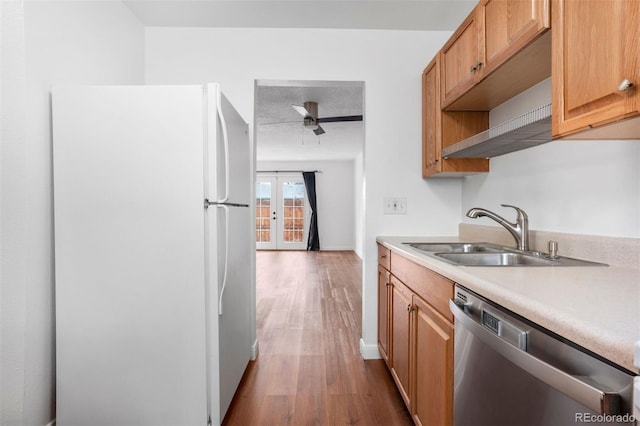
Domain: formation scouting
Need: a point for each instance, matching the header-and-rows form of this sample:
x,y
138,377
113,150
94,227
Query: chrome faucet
x,y
519,230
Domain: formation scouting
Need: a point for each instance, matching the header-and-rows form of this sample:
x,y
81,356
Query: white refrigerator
x,y
153,254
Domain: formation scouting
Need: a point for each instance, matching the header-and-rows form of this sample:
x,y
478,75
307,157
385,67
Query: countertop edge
x,y
595,339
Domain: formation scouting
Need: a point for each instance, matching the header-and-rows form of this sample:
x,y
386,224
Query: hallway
x,y
309,370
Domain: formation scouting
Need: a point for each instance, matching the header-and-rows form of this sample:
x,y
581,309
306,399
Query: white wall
x,y
335,195
13,231
359,190
581,187
389,62
50,43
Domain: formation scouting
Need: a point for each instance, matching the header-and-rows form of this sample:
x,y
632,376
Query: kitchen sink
x,y
497,259
487,254
512,258
456,247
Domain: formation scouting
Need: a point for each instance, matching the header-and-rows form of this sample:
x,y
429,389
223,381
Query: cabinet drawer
x,y
384,257
432,287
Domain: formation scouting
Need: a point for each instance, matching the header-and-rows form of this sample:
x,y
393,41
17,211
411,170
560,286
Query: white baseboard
x,y
51,423
254,350
369,351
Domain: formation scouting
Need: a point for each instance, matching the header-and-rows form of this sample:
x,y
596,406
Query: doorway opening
x,y
317,126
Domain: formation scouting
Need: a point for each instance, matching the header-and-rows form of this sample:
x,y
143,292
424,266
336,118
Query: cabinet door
x,y
401,308
431,118
442,128
383,312
433,367
596,46
508,26
461,59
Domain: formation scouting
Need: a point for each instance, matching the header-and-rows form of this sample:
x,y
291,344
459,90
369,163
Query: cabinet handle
x,y
384,256
410,308
476,66
624,85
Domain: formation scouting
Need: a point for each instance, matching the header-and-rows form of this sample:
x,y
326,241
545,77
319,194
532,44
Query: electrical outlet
x,y
395,205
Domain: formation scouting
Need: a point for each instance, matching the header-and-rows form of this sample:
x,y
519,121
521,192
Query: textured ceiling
x,y
280,134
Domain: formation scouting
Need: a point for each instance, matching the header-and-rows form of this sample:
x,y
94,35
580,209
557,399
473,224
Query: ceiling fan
x,y
309,113
311,121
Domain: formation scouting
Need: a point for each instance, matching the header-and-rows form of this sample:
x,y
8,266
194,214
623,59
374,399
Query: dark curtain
x,y
313,243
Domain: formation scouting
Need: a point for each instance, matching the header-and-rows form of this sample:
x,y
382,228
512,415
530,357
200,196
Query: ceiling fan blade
x,y
301,110
319,131
280,122
337,119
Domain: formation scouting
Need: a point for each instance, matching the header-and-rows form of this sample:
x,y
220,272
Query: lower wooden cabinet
x,y
432,366
384,288
401,303
419,338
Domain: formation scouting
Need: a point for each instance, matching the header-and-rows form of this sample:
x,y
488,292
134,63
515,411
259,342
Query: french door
x,y
282,213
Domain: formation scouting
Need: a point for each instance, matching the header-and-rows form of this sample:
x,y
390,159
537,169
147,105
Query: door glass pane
x,y
293,210
263,211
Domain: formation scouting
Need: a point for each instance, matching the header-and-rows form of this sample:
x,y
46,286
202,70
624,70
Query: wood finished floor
x,y
309,370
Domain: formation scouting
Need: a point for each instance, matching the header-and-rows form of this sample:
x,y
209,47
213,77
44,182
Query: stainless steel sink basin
x,y
511,258
496,259
487,254
456,247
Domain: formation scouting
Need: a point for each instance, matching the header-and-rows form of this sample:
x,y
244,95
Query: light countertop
x,y
595,307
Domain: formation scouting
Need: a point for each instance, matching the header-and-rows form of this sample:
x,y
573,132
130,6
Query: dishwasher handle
x,y
589,394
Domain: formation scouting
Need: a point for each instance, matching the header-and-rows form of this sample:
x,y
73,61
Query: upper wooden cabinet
x,y
596,47
509,25
462,58
496,33
441,129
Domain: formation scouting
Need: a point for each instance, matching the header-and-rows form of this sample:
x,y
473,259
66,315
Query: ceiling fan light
x,y
310,123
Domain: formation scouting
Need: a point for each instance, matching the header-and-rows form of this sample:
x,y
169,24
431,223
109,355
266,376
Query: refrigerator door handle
x,y
224,206
226,255
225,139
208,203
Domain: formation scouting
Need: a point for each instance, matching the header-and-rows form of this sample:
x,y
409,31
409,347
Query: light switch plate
x,y
395,205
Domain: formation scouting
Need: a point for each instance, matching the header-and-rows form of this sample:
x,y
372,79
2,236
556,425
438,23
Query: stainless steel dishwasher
x,y
509,371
